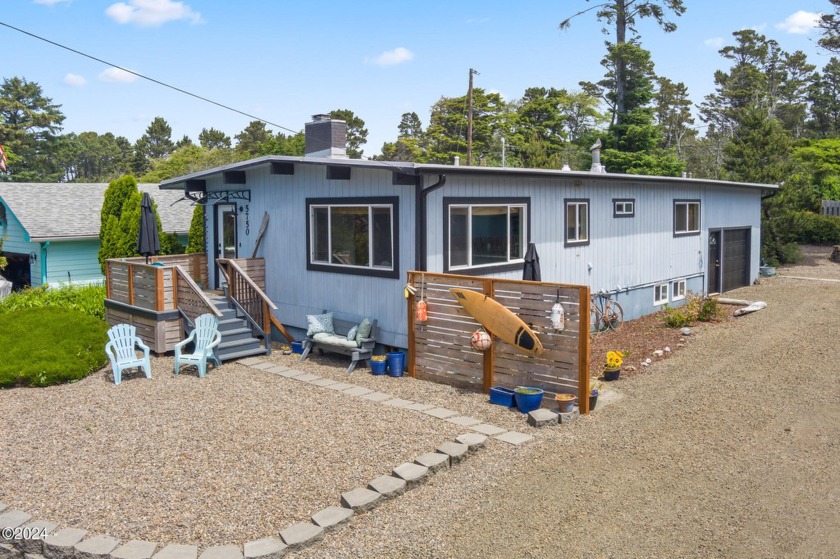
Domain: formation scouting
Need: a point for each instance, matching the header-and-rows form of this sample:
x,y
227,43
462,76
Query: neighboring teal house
x,y
50,231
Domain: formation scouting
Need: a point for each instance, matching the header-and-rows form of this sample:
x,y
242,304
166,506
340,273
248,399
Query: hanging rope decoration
x,y
420,308
558,316
481,340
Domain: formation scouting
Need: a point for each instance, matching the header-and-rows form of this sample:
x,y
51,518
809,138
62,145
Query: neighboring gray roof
x,y
435,169
54,211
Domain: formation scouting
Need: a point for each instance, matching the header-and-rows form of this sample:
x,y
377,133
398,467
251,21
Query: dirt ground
x,y
728,448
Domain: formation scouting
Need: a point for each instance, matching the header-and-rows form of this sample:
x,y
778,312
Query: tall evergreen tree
x,y
356,132
213,139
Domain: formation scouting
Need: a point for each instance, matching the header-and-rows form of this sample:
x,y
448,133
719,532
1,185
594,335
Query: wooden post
x,y
174,288
412,342
159,287
490,354
107,279
267,324
130,284
583,352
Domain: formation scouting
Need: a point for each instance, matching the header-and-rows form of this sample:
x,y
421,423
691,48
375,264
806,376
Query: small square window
x,y
577,222
686,217
660,294
624,207
678,290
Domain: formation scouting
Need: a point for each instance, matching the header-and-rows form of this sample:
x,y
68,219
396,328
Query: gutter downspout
x,y
43,258
421,194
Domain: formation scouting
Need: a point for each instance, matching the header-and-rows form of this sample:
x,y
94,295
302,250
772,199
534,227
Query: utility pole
x,y
470,118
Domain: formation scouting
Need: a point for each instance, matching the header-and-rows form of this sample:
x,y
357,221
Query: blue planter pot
x,y
396,362
378,367
297,347
528,402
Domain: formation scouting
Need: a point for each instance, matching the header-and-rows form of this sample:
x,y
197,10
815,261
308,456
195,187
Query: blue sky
x,y
284,61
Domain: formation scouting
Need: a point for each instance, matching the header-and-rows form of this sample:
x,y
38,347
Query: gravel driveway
x,y
731,448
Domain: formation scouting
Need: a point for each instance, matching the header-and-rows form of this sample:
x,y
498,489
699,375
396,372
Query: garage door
x,y
736,258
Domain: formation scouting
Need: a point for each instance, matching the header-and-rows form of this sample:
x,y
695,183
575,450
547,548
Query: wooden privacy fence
x,y
439,349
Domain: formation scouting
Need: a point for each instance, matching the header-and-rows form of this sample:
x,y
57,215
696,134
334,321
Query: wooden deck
x,y
155,297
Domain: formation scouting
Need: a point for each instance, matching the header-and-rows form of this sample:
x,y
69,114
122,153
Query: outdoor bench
x,y
331,335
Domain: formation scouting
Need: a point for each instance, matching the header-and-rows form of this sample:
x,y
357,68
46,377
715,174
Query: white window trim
x,y
678,290
469,208
624,212
329,262
686,230
577,240
657,291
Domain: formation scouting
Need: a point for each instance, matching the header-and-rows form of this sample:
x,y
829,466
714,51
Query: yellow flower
x,y
615,359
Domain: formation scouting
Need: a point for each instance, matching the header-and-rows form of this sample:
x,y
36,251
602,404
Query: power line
x,y
178,89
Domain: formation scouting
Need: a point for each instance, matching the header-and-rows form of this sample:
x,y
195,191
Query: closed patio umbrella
x,y
531,270
148,241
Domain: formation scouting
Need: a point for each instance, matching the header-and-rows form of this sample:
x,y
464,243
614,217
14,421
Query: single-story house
x,y
50,231
343,233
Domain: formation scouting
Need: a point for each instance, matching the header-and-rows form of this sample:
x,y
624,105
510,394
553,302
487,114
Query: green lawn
x,y
49,345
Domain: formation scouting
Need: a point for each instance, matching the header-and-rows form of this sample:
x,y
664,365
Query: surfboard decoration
x,y
498,320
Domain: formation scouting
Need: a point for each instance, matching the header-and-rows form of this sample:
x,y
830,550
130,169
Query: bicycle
x,y
606,313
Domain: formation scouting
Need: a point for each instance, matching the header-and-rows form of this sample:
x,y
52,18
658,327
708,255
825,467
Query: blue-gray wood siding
x,y
297,291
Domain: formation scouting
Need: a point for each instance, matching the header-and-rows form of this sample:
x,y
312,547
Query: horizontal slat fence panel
x,y
440,350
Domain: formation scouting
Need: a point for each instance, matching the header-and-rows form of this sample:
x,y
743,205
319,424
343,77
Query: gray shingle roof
x,y
56,210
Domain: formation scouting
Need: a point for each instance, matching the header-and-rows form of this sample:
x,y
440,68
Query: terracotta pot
x,y
566,402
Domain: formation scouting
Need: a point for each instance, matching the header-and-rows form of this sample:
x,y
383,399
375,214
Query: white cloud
x,y
74,80
148,13
49,2
115,75
800,23
714,42
393,57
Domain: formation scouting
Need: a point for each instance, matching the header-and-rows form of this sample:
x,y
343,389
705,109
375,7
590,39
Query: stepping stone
x,y
277,369
97,547
388,486
358,391
35,544
332,517
433,460
222,552
359,499
568,417
514,437
398,403
263,366
60,544
290,373
301,535
440,413
177,551
419,407
250,361
377,396
487,429
135,549
308,377
340,386
474,441
323,382
411,473
542,418
463,420
13,519
266,548
455,451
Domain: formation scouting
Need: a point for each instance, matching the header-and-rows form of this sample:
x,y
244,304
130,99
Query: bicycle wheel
x,y
598,325
613,315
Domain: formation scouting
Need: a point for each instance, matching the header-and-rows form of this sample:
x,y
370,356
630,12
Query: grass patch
x,y
87,299
47,346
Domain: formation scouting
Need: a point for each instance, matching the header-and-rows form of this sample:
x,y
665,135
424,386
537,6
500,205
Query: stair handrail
x,y
261,323
183,279
244,275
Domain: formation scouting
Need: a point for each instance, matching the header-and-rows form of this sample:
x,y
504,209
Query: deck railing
x,y
152,286
189,298
249,298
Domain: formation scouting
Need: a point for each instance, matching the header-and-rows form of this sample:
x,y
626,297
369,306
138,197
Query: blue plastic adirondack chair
x,y
121,351
206,337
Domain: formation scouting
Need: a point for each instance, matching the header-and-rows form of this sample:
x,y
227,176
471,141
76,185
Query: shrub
x,y
60,345
87,299
708,310
677,318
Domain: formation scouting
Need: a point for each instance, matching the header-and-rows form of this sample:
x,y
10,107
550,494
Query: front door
x,y
226,241
714,262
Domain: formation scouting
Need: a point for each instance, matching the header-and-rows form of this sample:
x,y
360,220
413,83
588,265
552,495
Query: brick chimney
x,y
326,137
